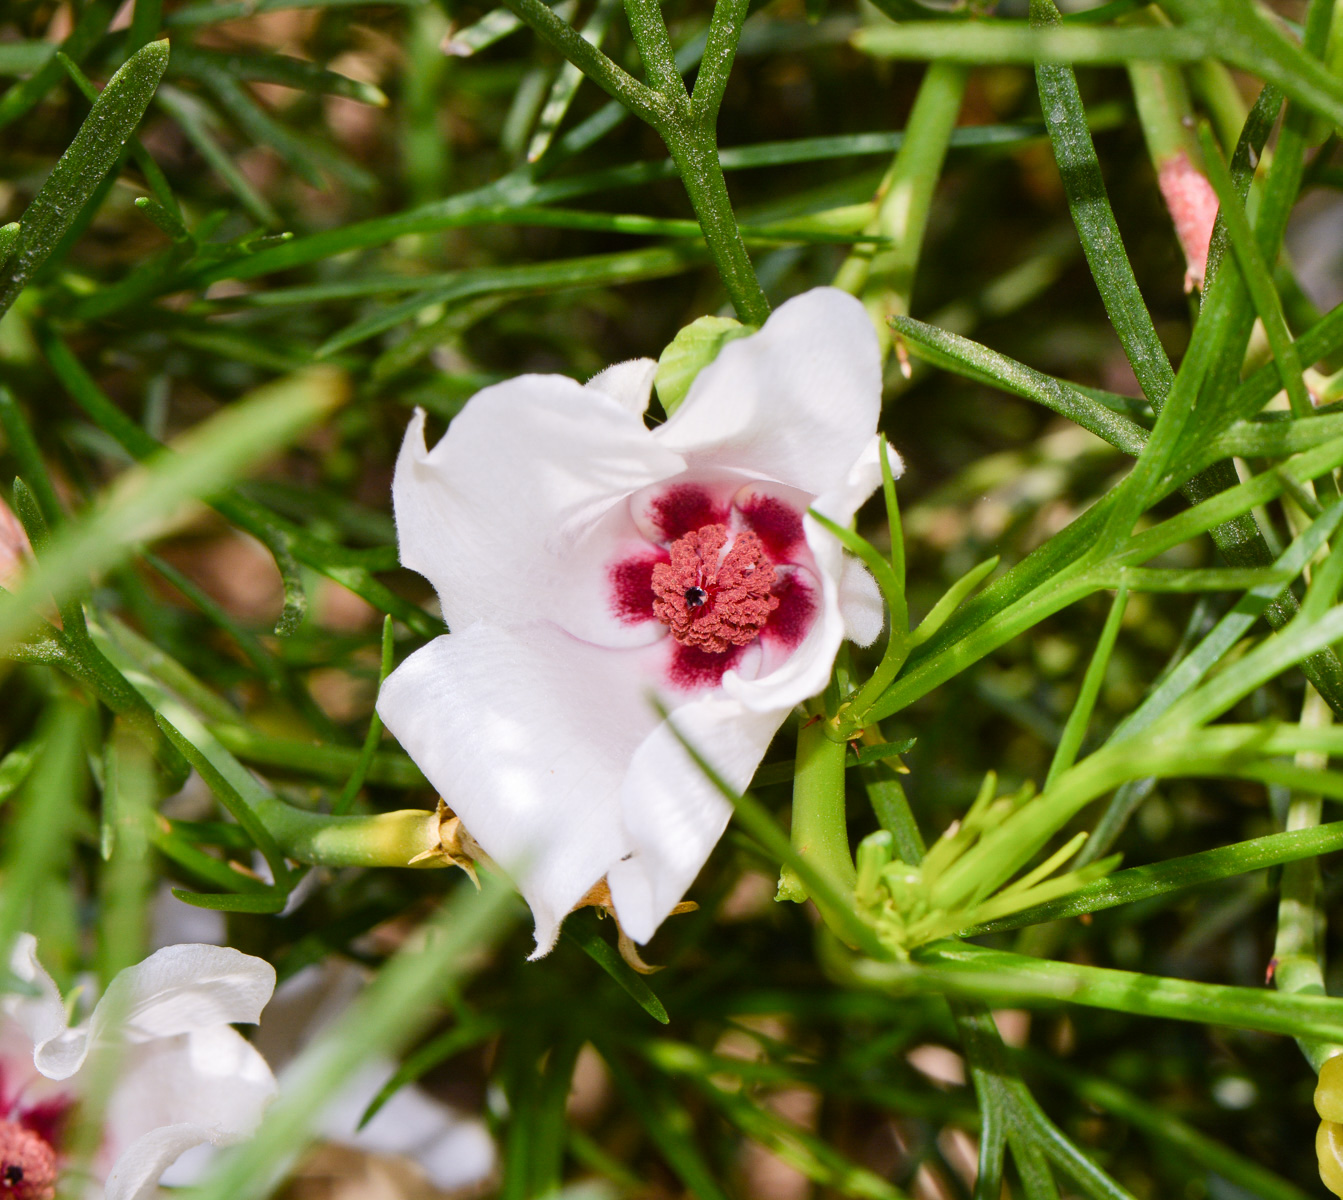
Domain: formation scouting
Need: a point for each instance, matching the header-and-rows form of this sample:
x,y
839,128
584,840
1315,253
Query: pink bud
x,y
14,548
1193,209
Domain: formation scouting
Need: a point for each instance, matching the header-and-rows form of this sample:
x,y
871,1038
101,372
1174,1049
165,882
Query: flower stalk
x,y
882,276
1298,950
820,830
687,122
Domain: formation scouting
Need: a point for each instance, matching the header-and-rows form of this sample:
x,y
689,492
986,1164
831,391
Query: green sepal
x,y
689,352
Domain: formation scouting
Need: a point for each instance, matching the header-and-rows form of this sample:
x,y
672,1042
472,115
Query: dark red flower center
x,y
716,592
28,1166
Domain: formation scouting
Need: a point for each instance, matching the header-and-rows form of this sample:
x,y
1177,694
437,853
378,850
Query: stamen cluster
x,y
713,595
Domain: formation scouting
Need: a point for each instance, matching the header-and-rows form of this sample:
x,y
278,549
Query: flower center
x,y
27,1164
713,595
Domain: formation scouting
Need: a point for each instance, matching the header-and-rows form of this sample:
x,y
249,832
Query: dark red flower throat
x,y
719,575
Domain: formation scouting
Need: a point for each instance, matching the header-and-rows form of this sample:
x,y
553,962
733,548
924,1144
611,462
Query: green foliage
x,y
231,269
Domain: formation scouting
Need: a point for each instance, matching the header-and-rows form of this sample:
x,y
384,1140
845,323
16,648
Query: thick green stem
x,y
820,822
884,278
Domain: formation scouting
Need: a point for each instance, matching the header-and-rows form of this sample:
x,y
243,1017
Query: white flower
x,y
184,1075
455,1151
584,562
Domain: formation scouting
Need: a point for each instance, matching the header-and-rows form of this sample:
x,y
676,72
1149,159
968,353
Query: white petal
x,y
135,1176
795,402
527,733
629,384
860,603
517,513
42,1017
176,1093
673,812
183,988
455,1151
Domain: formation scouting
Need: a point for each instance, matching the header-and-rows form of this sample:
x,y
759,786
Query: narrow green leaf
x,y
1191,870
951,600
974,361
81,169
143,502
1090,207
1065,754
1256,275
195,120
1003,41
174,846
192,740
24,57
263,902
595,271
885,750
374,735
586,935
198,63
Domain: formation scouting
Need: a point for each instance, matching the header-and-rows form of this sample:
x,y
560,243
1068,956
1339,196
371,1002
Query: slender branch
x,y
616,82
719,52
1298,950
655,48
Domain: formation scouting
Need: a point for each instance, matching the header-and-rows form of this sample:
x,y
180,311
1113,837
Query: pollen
x,y
27,1164
717,591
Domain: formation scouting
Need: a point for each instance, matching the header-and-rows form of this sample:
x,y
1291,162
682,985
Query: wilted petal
x,y
178,1093
672,810
794,403
630,383
515,514
527,733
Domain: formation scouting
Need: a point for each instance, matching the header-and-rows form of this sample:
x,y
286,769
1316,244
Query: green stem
x,y
655,48
1080,717
720,49
686,125
956,969
820,822
696,156
1298,951
905,195
607,75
